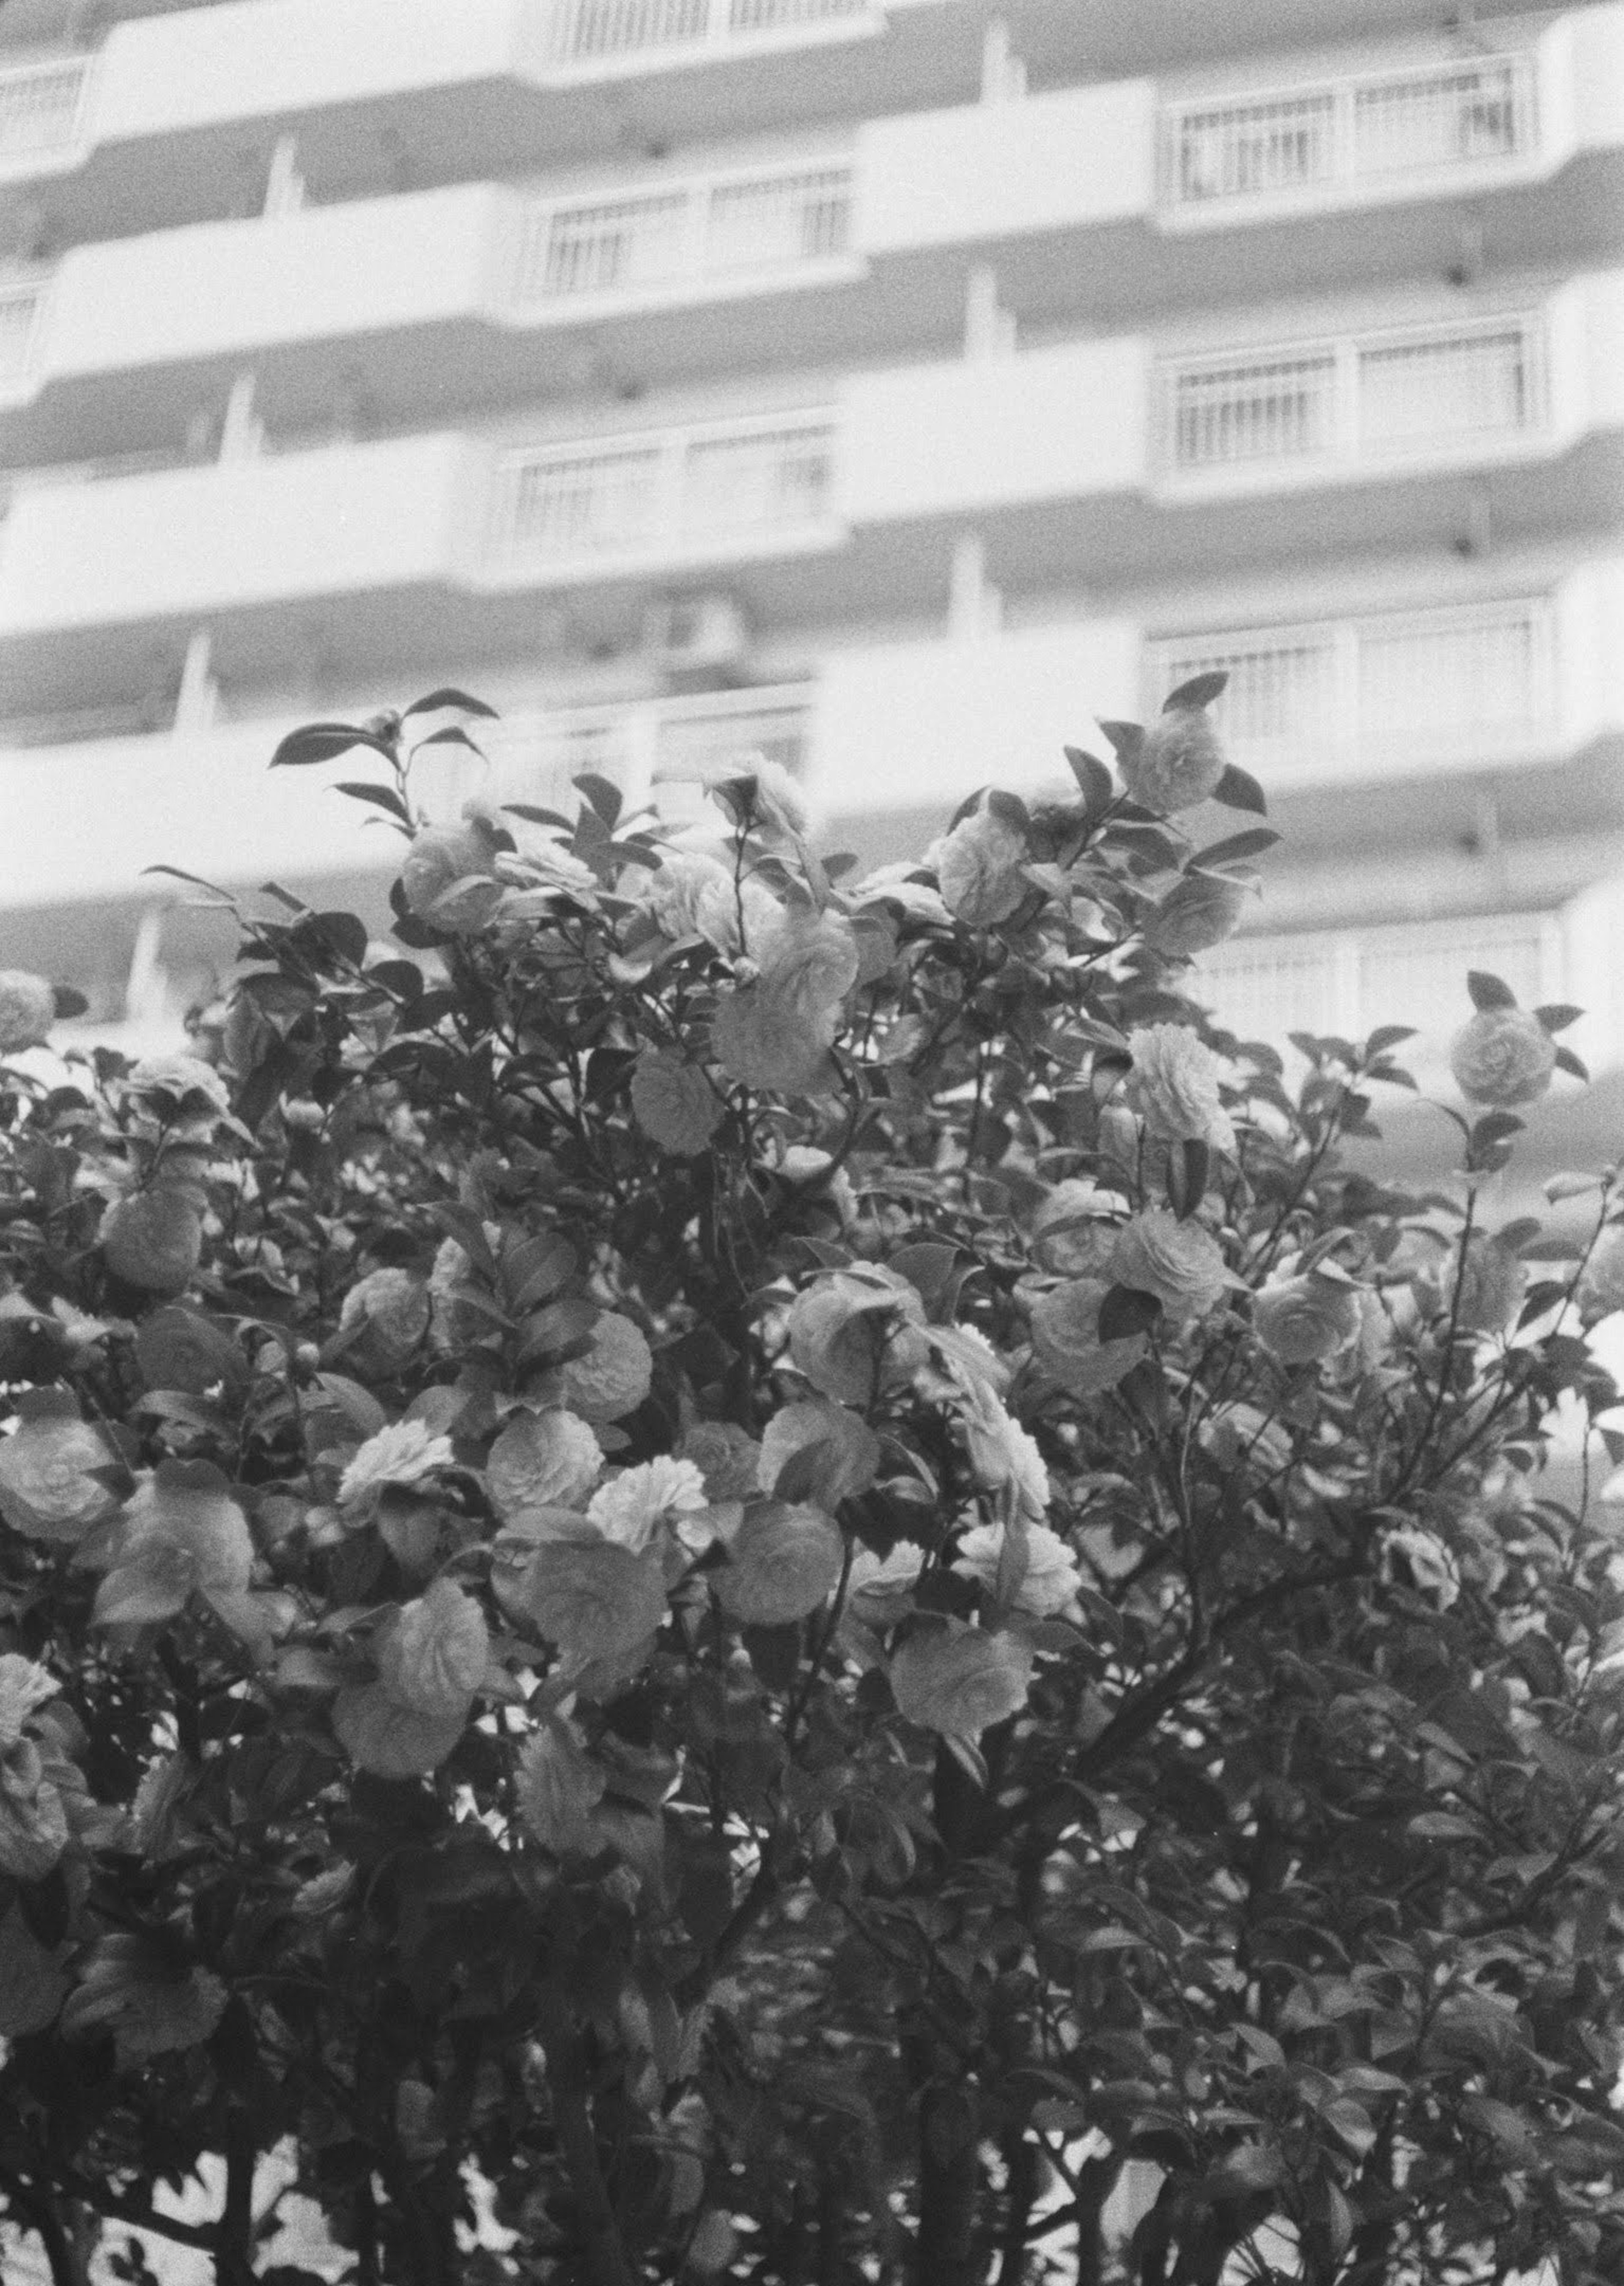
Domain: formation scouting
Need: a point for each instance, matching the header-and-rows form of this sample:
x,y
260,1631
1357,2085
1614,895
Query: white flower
x,y
1200,910
393,1307
1238,1435
631,1507
1502,1056
1051,1581
1174,1086
1178,762
180,1077
691,893
1001,1451
978,868
757,792
1180,1263
1073,1229
1484,1292
542,1460
404,1453
1302,1320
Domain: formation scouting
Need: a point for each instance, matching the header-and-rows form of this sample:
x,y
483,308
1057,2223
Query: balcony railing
x,y
39,107
1319,698
1438,118
588,31
1346,982
651,749
1368,397
560,503
691,232
18,312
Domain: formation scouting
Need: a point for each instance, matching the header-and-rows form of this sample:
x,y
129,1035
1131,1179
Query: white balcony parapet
x,y
626,496
685,233
1361,398
40,108
652,749
19,308
592,31
1349,130
1314,701
1345,982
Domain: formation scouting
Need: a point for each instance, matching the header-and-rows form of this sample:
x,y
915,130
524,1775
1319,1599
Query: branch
x,y
605,2250
37,2208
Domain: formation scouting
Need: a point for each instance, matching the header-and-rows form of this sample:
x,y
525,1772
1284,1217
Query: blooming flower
x,y
439,858
1050,1583
187,1078
402,1453
1073,1229
543,1459
631,1507
47,1487
1502,1056
1066,1338
1177,763
454,1325
393,1308
1174,1086
978,865
691,893
1239,1435
27,1009
1180,1263
1002,1453
1302,1320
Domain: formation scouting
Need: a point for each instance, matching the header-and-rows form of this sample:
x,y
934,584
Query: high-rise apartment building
x,y
888,385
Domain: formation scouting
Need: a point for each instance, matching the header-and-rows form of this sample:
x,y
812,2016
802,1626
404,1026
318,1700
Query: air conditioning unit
x,y
698,642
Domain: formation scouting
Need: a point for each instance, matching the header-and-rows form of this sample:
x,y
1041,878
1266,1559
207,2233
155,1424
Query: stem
x,y
37,2210
603,2250
1021,2158
234,2232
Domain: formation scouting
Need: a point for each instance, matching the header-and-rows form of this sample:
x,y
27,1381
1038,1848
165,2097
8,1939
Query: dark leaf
x,y
602,793
450,737
1188,1165
1237,789
1567,1061
1124,1312
1557,1016
68,1002
381,797
447,696
1488,991
1199,690
1234,849
1126,738
1093,779
324,742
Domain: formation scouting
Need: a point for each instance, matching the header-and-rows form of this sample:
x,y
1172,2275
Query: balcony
x,y
1432,392
708,232
42,107
599,31
1359,698
1345,982
682,494
1455,122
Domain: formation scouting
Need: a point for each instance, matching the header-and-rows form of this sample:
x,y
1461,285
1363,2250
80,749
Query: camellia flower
x,y
402,1453
27,1009
454,1325
631,1507
1002,1453
1051,1581
543,1459
193,1083
393,1307
1075,1228
439,858
1501,1057
691,893
1238,1435
1180,1263
47,1487
978,865
1174,1086
1177,763
774,1032
1302,1320
757,795
1066,1338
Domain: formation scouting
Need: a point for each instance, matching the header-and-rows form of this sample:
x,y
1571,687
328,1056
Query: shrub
x,y
789,1564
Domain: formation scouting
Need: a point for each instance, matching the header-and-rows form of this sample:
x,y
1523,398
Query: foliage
x,y
786,1562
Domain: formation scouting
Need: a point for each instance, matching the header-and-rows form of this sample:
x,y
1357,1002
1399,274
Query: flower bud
x,y
1502,1056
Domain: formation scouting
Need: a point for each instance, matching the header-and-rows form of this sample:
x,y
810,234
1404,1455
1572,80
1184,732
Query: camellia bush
x,y
724,1572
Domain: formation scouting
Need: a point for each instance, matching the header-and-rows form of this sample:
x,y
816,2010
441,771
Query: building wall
x,y
984,369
